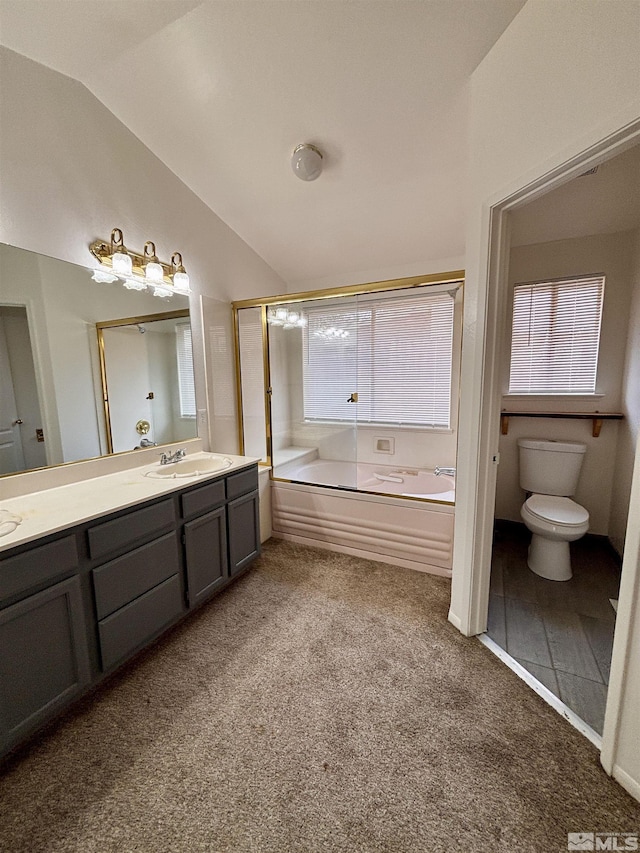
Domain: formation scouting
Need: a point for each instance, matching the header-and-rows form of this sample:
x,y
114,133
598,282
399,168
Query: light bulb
x,y
122,264
179,275
154,272
181,282
306,162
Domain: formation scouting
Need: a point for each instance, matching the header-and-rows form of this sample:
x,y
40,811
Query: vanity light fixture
x,y
331,333
152,269
121,262
104,277
281,316
179,275
138,271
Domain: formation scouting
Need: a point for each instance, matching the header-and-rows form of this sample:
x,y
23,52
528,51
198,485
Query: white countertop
x,y
50,511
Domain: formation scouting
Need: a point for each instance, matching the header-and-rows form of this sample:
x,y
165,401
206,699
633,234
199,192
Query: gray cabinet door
x,y
205,544
243,516
44,660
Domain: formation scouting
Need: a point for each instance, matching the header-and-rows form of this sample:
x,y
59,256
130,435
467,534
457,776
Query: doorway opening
x,y
22,435
558,634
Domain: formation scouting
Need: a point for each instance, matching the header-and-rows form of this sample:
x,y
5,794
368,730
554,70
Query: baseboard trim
x,y
628,782
455,620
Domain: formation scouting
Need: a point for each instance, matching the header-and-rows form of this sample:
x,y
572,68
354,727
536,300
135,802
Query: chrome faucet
x,y
172,457
441,469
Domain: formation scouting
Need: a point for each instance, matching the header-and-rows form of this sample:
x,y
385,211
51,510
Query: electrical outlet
x,y
202,417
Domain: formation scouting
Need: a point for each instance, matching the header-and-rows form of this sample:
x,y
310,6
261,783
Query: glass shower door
x,y
313,361
252,383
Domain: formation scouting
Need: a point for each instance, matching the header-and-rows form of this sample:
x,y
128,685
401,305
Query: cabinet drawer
x,y
130,627
203,499
242,483
30,569
120,581
130,530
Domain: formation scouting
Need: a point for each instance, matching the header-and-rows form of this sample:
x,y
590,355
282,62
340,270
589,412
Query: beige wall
x,y
609,254
71,172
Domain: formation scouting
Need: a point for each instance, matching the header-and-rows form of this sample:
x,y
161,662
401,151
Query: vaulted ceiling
x,y
223,90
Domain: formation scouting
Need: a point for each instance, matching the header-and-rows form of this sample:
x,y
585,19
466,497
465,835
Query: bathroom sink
x,y
189,467
8,522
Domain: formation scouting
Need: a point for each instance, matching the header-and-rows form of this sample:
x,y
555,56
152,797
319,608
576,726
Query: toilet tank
x,y
550,467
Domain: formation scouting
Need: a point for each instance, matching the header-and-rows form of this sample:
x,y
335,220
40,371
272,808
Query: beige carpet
x,y
322,703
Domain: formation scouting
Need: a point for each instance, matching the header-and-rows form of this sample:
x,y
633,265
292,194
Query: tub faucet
x,y
172,457
440,469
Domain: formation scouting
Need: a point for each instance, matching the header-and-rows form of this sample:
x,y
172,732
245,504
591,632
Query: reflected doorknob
x,y
17,422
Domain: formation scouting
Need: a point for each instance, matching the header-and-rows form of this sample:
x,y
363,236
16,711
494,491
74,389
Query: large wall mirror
x,y
87,369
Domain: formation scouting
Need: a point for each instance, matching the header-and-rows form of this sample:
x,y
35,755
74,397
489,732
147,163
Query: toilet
x,y
549,472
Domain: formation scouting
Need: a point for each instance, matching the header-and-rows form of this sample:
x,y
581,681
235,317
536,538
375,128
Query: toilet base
x,y
549,558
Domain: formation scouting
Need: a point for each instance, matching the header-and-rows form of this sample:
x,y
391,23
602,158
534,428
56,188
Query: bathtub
x,y
368,477
401,516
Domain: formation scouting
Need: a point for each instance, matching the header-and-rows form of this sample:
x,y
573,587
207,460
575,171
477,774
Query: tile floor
x,y
560,631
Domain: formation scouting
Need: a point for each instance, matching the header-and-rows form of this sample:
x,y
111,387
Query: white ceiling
x,y
222,91
602,203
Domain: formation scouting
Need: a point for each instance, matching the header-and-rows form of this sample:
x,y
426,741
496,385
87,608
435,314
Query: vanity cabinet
x,y
139,592
136,596
207,564
44,661
75,606
204,538
243,519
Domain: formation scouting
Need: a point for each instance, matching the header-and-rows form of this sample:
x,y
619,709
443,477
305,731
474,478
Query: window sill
x,y
594,396
379,427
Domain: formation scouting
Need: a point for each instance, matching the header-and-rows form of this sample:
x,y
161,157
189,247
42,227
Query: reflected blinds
x,y
556,336
186,386
395,352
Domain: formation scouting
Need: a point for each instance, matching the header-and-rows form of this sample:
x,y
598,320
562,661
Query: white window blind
x,y
186,387
394,351
556,336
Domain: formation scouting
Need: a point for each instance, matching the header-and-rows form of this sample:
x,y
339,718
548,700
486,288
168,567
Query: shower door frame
x,y
452,277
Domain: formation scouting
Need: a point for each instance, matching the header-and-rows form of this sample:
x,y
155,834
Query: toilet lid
x,y
557,510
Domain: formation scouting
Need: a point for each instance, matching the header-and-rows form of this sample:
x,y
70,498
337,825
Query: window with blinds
x,y
556,336
394,351
186,385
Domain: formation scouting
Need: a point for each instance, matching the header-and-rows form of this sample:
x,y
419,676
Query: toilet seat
x,y
557,510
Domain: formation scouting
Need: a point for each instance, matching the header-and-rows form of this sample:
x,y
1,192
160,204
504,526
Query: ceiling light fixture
x,y
138,271
306,162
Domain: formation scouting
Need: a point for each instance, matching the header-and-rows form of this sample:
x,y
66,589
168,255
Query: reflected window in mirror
x,y
146,367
